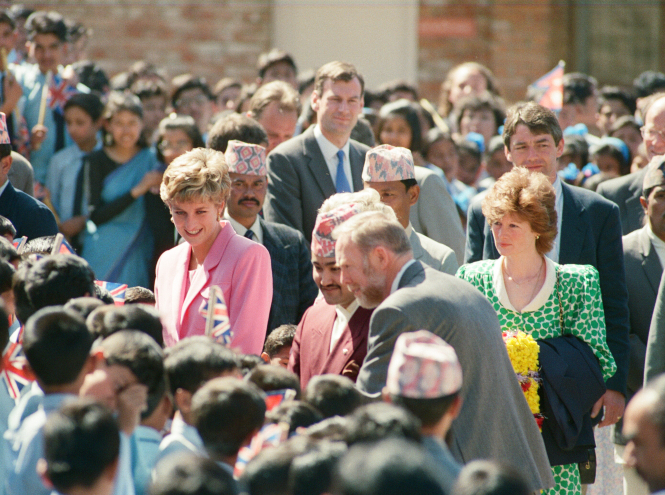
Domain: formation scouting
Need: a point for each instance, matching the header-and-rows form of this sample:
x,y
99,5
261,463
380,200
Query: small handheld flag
x,y
117,291
14,372
218,325
549,88
19,244
61,246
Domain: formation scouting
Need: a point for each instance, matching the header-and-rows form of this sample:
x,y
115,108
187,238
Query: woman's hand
x,y
37,136
150,179
614,403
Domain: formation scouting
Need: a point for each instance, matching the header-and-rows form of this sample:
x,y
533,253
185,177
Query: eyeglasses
x,y
652,133
177,146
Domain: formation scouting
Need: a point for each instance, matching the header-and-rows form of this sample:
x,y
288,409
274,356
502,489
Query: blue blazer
x,y
590,235
30,217
294,289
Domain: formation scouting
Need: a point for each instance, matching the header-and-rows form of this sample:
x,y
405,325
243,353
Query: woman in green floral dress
x,y
527,289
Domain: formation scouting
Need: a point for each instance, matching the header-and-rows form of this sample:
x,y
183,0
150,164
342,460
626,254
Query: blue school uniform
x,y
145,450
183,437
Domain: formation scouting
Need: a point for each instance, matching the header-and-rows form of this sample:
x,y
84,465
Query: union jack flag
x,y
117,291
14,373
218,325
271,435
58,93
549,88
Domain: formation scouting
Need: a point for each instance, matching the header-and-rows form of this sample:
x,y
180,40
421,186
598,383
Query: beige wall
x,y
378,37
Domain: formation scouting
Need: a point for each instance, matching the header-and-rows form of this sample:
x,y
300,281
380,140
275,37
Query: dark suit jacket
x,y
299,181
310,352
293,288
30,217
625,192
590,235
495,421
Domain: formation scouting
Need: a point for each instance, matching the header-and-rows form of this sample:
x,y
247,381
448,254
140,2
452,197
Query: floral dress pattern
x,y
583,316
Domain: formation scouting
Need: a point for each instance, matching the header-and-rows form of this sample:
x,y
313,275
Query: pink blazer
x,y
240,267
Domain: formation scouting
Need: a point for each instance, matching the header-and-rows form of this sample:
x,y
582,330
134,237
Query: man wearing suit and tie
x,y
293,288
626,191
309,168
589,234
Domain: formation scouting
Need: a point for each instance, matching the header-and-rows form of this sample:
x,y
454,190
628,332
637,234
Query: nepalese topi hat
x,y
655,175
387,163
323,244
4,132
245,158
423,366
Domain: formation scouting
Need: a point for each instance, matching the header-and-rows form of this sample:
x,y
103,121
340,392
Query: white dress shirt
x,y
329,151
241,230
558,205
343,317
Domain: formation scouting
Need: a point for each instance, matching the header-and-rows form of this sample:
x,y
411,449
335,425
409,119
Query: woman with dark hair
x,y
483,114
399,125
177,135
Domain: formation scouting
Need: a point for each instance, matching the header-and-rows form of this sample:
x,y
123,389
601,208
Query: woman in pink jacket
x,y
195,187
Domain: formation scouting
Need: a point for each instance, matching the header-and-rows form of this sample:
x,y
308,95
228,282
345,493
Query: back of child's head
x,y
133,317
226,412
56,279
139,295
490,478
248,362
43,22
311,473
278,339
7,227
8,251
195,360
271,378
92,75
190,474
6,275
81,441
141,355
84,305
57,345
22,304
381,420
90,103
103,294
7,19
333,395
296,414
95,319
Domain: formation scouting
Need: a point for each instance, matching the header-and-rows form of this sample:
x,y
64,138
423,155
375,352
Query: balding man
x,y
376,261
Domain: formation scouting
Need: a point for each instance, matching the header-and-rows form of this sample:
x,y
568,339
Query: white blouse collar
x,y
538,301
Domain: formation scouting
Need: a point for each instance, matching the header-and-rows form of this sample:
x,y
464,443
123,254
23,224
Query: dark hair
x,y
648,83
409,112
142,69
484,101
56,279
140,354
270,378
22,304
490,478
4,325
248,362
333,395
92,75
8,251
274,56
183,123
148,88
577,87
88,102
226,411
389,467
195,360
306,79
81,440
19,11
185,82
609,149
333,429
311,473
139,317
57,345
382,420
95,319
337,71
224,84
390,87
362,132
7,227
103,295
428,411
84,305
625,96
42,22
625,121
280,337
296,414
236,126
5,18
139,295
190,474
537,118
118,102
6,276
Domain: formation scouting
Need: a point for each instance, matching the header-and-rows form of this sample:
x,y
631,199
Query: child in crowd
x,y
189,364
154,98
277,347
7,229
139,295
83,116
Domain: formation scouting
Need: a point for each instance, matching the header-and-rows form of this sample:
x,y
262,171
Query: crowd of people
x,y
303,286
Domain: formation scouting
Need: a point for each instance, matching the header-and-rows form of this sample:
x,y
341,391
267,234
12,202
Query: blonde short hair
x,y
530,196
198,175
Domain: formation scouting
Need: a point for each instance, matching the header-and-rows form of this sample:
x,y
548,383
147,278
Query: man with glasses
x,y
626,191
192,96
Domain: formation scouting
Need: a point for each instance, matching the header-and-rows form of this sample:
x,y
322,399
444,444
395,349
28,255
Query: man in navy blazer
x,y
589,234
306,170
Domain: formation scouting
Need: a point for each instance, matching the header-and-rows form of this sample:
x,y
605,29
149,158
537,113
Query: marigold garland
x,y
523,353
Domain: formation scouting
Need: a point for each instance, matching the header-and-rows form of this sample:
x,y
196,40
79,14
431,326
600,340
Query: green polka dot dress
x,y
579,289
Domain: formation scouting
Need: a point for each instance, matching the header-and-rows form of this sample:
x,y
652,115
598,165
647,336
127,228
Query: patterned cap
x,y
323,244
423,366
4,133
387,163
655,175
244,158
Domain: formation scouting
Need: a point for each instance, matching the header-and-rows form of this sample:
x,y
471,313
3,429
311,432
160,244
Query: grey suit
x,y
655,356
435,214
299,181
625,192
495,421
433,254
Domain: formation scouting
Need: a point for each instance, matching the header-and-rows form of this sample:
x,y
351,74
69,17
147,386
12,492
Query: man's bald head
x,y
653,131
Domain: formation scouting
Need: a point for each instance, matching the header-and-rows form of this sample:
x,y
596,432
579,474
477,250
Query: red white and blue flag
x,y
548,89
271,435
20,243
117,291
59,92
61,246
14,372
218,324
